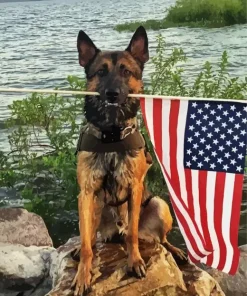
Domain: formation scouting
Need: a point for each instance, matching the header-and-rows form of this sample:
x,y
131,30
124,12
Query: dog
x,y
113,160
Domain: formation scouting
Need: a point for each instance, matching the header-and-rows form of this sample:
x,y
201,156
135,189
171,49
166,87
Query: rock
x,y
18,226
109,273
24,270
233,285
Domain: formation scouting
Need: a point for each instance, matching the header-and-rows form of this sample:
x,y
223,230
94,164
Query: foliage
x,y
196,13
41,165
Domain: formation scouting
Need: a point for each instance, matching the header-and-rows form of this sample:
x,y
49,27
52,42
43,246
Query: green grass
x,y
196,13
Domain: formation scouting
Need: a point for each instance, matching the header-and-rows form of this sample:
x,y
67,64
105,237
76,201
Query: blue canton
x,y
216,136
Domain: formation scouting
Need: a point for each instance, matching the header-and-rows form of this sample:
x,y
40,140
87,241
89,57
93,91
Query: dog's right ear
x,y
86,49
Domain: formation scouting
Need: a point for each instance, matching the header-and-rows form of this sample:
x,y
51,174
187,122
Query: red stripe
x,y
189,235
218,211
173,123
188,182
203,206
235,219
157,127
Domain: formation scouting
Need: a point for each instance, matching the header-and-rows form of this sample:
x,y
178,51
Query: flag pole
x,y
85,93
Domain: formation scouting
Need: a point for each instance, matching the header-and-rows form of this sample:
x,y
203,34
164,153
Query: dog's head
x,y
114,75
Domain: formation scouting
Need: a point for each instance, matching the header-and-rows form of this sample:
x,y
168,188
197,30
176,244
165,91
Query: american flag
x,y
201,148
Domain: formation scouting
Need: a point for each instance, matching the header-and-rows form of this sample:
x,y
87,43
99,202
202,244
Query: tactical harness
x,y
114,139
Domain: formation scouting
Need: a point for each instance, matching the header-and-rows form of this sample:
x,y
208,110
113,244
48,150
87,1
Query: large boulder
x,y
24,269
235,285
18,226
109,273
25,254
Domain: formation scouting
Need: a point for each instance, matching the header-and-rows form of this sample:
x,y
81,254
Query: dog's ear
x,y
86,49
138,46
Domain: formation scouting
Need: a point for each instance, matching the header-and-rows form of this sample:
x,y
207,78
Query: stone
x,y
163,277
233,285
18,226
24,270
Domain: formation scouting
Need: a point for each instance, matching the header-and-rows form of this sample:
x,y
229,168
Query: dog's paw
x,y
179,255
136,267
82,282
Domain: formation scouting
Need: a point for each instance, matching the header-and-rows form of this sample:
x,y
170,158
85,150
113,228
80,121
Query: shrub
x,y
196,13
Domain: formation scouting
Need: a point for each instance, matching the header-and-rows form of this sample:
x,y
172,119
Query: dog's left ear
x,y
138,46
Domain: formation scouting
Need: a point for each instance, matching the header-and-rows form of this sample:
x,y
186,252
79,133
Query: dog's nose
x,y
112,94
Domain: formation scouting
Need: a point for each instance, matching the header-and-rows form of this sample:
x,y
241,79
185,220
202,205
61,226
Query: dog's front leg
x,y
82,279
136,264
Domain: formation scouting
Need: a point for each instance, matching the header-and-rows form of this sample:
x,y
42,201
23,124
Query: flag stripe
x,y
188,180
166,105
157,120
182,116
235,219
195,191
202,183
173,121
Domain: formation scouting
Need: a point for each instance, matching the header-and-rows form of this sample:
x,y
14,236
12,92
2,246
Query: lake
x,y
38,49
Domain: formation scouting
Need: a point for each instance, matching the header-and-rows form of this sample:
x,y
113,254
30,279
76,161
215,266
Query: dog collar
x,y
112,135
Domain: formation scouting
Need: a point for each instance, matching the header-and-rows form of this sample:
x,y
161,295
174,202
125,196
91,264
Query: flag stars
x,y
220,160
225,167
194,158
239,169
227,155
188,163
214,154
215,137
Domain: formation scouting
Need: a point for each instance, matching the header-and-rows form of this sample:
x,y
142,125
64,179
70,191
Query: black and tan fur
x,y
106,177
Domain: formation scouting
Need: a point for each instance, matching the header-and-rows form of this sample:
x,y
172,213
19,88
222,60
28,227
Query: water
x,y
38,45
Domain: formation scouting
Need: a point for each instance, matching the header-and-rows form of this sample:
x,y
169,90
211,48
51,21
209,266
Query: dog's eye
x,y
101,72
126,73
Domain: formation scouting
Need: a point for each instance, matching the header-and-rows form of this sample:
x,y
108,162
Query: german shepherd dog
x,y
106,176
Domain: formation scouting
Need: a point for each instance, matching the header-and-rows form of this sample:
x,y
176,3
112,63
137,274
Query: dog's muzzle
x,y
114,97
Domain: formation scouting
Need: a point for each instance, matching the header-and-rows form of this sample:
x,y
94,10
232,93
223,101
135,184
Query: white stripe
x,y
226,219
166,105
196,202
149,118
182,116
184,213
210,201
188,244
